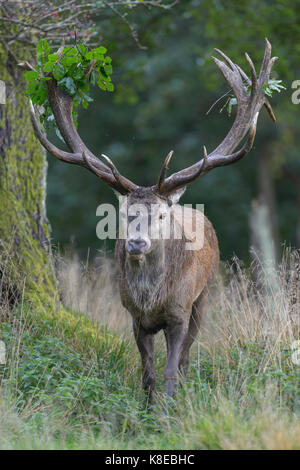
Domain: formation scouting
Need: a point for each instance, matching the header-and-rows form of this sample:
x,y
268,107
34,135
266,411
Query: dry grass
x,y
239,394
240,313
237,312
92,288
242,324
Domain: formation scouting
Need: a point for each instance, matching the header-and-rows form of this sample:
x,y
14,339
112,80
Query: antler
x,y
62,106
248,108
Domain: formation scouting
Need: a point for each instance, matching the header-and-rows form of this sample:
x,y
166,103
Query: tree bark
x,y
26,269
267,198
298,221
264,227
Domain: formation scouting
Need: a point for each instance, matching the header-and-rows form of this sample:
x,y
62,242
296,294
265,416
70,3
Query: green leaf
x,y
52,57
48,67
78,73
93,77
39,48
46,47
32,75
82,49
232,102
101,85
87,98
99,57
268,92
273,86
58,71
42,49
100,50
110,87
31,89
41,94
82,85
89,55
57,132
108,69
70,60
71,51
68,85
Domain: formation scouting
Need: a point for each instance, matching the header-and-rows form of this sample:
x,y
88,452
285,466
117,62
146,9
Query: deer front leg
x,y
145,344
193,329
175,335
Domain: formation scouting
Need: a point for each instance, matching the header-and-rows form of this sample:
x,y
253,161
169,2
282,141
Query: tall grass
x,y
59,390
92,288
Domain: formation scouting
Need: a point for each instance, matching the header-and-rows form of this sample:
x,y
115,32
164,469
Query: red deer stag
x,y
162,284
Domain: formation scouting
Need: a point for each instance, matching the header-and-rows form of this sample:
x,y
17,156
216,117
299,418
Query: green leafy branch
x,y
268,88
75,69
273,86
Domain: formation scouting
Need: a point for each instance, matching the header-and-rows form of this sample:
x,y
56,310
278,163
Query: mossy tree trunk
x,y
25,258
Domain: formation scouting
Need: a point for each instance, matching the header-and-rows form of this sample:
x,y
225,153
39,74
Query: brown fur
x,y
167,291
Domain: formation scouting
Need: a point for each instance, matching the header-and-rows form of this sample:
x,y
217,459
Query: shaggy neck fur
x,y
151,281
145,280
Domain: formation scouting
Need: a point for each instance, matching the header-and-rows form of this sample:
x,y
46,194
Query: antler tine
x,y
232,77
225,57
254,83
119,178
82,159
269,109
62,106
164,170
187,178
119,183
87,160
267,102
58,153
271,63
265,63
113,168
248,108
205,154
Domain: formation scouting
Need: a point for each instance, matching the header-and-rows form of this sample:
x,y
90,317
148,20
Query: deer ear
x,y
174,197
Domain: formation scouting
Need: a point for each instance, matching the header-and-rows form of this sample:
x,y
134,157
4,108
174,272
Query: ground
x,y
72,382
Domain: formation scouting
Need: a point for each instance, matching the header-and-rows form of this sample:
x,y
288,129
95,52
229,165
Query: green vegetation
x,y
162,95
71,383
269,89
75,69
72,375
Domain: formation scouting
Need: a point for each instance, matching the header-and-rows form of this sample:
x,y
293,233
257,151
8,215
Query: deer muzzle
x,y
137,247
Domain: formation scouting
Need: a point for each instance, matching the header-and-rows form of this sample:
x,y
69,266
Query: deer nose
x,y
136,247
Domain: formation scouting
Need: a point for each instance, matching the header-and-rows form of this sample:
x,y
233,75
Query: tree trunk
x,y
267,198
25,255
264,227
298,221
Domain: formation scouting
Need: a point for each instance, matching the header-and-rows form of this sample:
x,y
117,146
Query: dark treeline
x,y
163,91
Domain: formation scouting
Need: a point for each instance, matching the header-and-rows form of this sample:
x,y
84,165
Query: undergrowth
x,y
72,382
